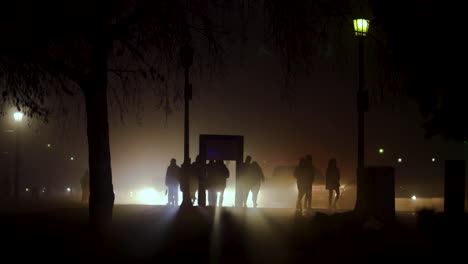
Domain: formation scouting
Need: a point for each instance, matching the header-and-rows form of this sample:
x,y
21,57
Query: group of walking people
x,y
213,177
305,174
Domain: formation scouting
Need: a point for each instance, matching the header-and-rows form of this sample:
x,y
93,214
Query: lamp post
x,y
186,58
361,27
18,117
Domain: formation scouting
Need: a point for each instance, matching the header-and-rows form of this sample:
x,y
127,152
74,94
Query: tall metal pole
x,y
362,107
362,104
187,117
186,56
17,163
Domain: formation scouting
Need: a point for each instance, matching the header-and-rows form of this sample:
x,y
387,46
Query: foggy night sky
x,y
245,99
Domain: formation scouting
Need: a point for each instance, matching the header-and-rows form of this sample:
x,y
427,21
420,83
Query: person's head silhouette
x,y
173,161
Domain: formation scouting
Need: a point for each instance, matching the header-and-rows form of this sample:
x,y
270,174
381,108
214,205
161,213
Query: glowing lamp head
x,y
18,116
381,151
400,160
27,189
49,145
72,158
413,197
361,26
433,160
68,189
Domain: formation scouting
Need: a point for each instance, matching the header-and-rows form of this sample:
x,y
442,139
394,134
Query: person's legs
x,y
246,196
221,198
176,195
330,197
337,196
211,197
255,190
300,195
170,198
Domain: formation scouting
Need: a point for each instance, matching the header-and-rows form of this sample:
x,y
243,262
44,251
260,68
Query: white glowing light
x,y
400,160
433,159
18,116
151,196
68,189
413,197
72,158
27,189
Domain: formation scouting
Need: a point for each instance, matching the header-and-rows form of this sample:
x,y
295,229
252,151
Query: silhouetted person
x,y
198,173
332,182
84,181
310,172
211,183
172,183
222,173
244,178
300,174
185,175
255,180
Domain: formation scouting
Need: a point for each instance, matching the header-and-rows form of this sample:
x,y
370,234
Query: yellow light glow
x,y
361,26
381,151
413,197
18,116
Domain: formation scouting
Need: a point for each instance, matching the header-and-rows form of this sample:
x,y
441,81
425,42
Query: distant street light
x,y
433,160
72,158
400,160
381,151
413,197
18,117
49,145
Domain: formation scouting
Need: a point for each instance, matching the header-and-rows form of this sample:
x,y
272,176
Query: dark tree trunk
x,y
101,198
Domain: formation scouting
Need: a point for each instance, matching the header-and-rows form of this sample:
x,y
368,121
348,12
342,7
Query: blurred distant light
x,y
49,145
18,116
381,151
27,189
68,189
400,160
131,194
147,196
72,158
413,197
433,160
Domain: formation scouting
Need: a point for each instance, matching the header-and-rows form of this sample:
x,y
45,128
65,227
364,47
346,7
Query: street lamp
x,y
186,58
361,27
18,117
